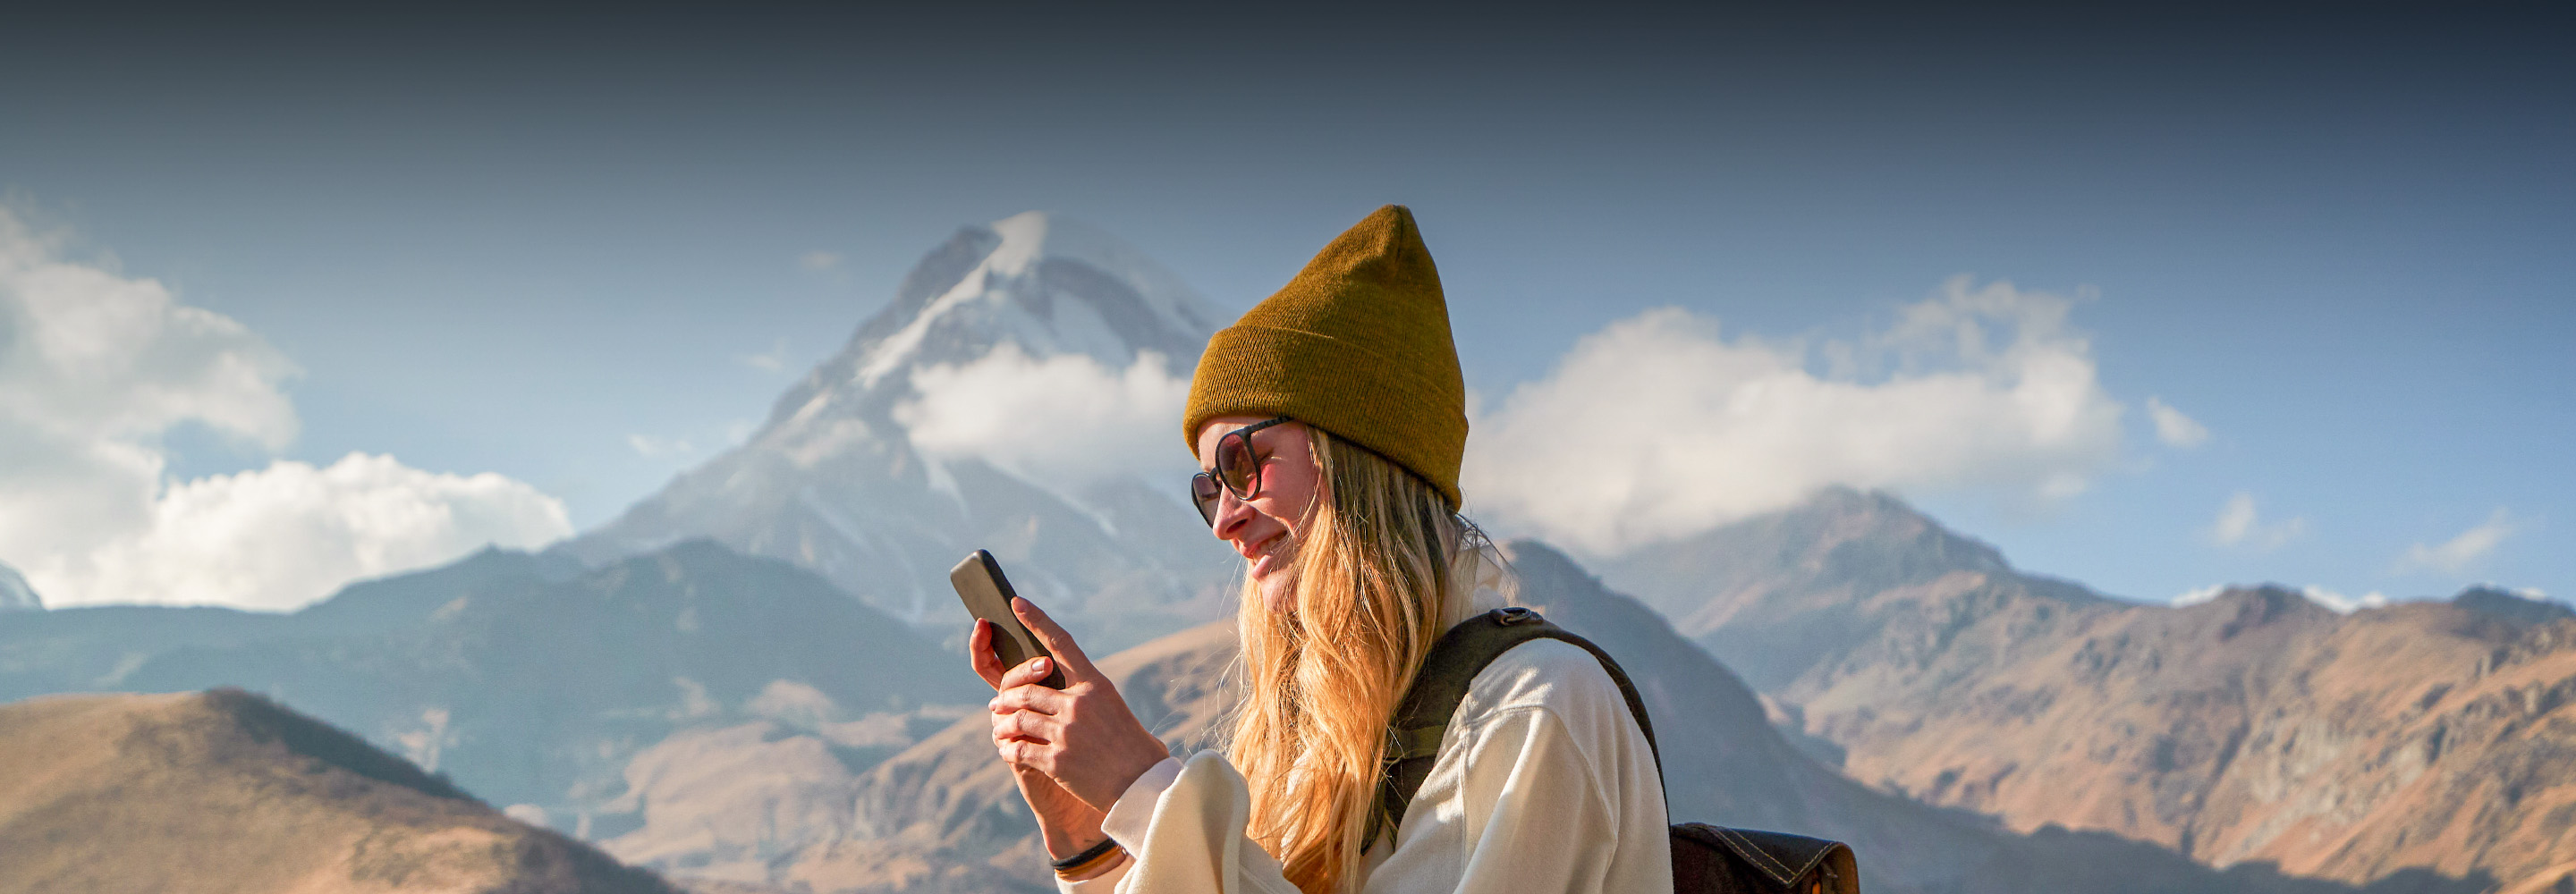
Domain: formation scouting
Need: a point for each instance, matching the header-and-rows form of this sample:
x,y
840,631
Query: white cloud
x,y
651,447
2238,525
2458,553
1064,422
291,533
773,360
96,368
2198,596
819,260
2174,428
2337,602
2341,603
1658,426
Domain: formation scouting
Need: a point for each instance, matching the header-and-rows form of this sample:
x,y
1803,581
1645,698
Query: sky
x,y
404,283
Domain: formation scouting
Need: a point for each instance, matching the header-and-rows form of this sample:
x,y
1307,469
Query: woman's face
x,y
1264,529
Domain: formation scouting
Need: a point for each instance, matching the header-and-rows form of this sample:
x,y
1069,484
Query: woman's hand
x,y
1081,737
1068,826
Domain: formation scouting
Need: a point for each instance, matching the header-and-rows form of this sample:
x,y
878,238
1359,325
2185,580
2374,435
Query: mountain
x,y
528,679
1775,594
15,595
833,482
943,816
224,791
98,648
2255,727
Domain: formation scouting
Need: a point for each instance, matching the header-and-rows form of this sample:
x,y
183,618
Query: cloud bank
x,y
1660,426
290,533
97,368
1065,422
2458,553
2238,525
2174,428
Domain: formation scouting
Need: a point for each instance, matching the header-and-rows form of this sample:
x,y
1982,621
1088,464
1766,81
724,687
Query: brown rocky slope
x,y
224,791
2257,726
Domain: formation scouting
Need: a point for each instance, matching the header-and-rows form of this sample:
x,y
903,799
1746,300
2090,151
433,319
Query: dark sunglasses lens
x,y
1204,491
1235,466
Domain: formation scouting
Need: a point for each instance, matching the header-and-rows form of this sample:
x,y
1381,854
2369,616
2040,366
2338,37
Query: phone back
x,y
987,593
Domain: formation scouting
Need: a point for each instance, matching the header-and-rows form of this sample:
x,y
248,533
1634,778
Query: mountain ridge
x,y
2256,725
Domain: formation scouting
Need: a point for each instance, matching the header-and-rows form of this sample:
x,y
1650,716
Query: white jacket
x,y
1543,784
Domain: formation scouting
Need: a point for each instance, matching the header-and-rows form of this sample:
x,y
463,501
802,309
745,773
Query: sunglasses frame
x,y
1252,479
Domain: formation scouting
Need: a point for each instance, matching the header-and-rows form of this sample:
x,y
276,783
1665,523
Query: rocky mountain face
x,y
833,482
2256,728
224,791
15,595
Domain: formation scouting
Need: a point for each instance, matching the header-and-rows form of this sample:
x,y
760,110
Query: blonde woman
x,y
1330,423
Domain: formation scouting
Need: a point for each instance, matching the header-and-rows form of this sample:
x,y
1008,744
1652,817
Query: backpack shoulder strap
x,y
1413,738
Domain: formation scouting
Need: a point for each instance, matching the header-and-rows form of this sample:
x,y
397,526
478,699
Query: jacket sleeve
x,y
1192,838
1533,812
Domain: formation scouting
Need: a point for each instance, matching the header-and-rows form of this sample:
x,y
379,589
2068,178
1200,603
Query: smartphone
x,y
988,594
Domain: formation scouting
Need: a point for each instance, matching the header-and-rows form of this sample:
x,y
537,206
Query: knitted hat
x,y
1357,345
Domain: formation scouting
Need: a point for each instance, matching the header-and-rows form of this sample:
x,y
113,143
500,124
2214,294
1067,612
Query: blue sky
x,y
559,249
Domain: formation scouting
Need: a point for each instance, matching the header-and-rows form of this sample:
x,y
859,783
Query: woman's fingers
x,y
1033,698
979,649
1028,672
1025,725
1025,753
1076,665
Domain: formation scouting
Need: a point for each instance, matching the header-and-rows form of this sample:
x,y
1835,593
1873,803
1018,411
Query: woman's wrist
x,y
1064,840
1139,762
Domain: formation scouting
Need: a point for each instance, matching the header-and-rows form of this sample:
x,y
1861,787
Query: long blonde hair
x,y
1371,580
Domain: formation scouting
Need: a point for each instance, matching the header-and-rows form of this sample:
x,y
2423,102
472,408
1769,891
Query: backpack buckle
x,y
1515,615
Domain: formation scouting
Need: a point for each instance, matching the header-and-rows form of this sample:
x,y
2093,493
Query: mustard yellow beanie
x,y
1357,345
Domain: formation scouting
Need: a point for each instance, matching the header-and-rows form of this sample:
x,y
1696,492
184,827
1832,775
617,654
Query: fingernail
x,y
1040,665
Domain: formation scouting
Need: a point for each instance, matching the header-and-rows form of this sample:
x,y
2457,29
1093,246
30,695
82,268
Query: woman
x,y
1330,422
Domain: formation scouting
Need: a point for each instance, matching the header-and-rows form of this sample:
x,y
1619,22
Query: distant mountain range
x,y
224,791
528,680
2258,726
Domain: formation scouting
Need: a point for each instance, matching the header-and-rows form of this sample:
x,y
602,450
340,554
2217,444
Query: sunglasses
x,y
1238,471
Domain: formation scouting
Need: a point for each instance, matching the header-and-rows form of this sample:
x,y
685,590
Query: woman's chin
x,y
1269,581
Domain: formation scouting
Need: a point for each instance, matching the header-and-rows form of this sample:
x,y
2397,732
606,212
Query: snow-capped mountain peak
x,y
1047,283
843,479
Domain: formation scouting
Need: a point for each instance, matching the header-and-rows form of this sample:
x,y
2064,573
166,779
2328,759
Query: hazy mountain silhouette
x,y
524,678
15,595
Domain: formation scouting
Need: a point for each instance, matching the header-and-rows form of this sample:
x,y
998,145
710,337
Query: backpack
x,y
1706,858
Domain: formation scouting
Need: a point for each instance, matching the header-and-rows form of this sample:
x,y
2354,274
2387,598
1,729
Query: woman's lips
x,y
1265,555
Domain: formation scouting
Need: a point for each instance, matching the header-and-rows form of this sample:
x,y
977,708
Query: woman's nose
x,y
1231,515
